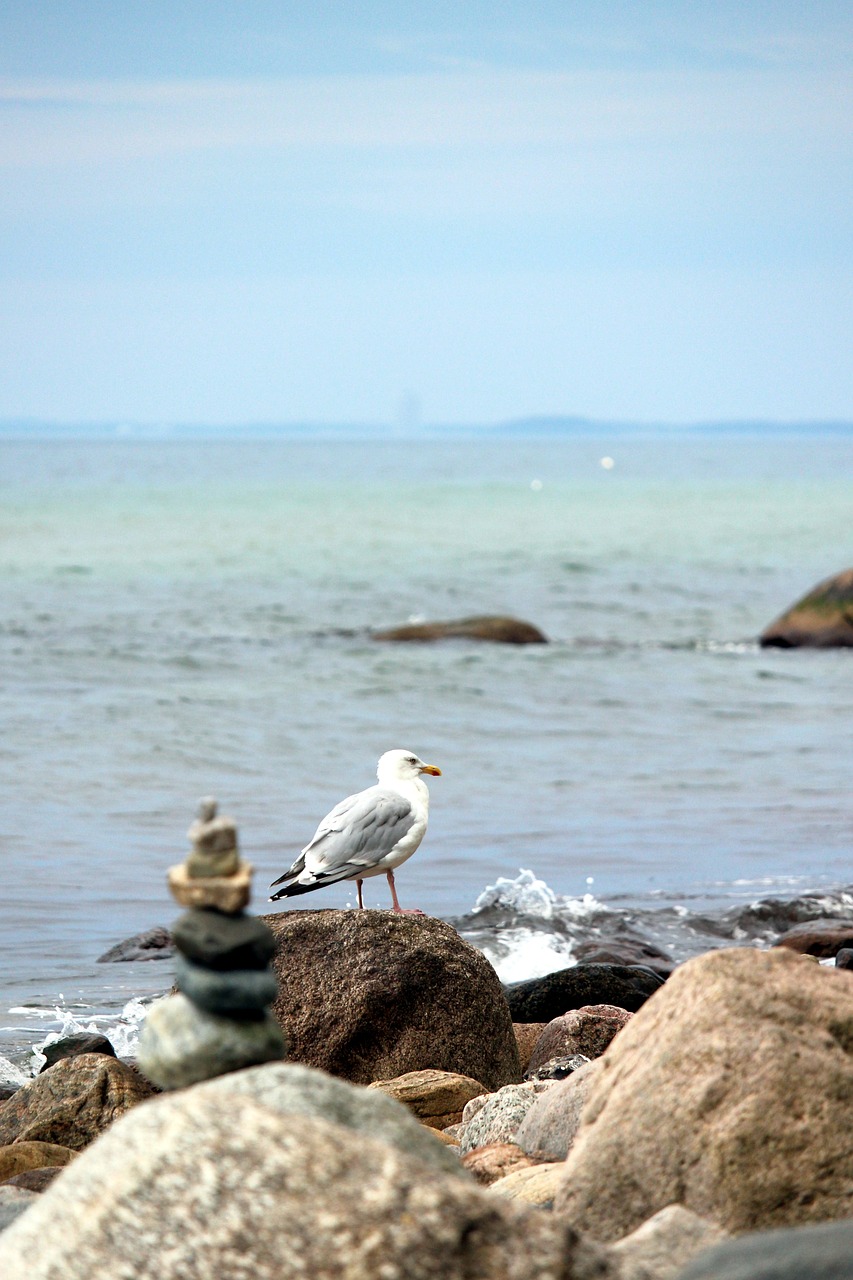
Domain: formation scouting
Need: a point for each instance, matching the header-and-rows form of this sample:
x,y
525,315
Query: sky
x,y
425,212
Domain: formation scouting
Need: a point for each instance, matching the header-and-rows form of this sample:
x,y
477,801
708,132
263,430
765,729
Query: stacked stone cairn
x,y
218,1021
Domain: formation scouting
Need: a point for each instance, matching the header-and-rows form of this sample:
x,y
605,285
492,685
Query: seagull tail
x,y
294,890
297,868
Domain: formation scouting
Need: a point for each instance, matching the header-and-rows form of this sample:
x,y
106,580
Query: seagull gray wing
x,y
359,832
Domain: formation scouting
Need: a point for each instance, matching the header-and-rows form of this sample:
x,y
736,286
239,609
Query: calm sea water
x,y
180,619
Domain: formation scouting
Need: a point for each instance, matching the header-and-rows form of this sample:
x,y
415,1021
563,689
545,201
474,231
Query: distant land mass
x,y
535,425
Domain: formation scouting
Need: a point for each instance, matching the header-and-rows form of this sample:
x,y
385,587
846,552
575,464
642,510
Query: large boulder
x,y
822,619
803,1253
729,1092
72,1102
548,997
187,1186
370,995
496,628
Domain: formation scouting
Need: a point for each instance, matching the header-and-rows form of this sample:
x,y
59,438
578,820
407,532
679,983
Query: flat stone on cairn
x,y
219,1020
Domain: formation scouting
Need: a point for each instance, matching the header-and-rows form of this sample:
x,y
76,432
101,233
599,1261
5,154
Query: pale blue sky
x,y
259,212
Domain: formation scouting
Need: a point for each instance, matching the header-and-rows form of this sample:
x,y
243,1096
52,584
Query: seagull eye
x,y
411,760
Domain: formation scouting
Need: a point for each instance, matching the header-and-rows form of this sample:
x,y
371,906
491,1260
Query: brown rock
x,y
526,1035
729,1092
370,995
35,1179
73,1102
822,938
437,1098
822,619
487,1164
588,1031
228,894
21,1157
501,630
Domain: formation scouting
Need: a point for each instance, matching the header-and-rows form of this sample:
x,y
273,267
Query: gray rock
x,y
550,1126
219,941
186,1187
558,1068
13,1202
72,1046
665,1243
499,1117
181,1044
844,958
548,997
153,944
802,1253
227,992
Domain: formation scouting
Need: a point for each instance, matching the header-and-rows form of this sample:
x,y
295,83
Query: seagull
x,y
369,833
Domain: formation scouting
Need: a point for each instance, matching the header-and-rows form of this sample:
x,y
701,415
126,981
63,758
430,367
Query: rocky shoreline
x,y
603,1122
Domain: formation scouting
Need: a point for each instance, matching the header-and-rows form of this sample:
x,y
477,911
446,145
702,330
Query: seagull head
x,y
400,766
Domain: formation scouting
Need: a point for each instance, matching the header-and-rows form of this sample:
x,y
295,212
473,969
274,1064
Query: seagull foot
x,y
408,911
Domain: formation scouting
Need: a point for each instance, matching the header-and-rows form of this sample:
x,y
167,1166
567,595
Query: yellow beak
x,y
431,768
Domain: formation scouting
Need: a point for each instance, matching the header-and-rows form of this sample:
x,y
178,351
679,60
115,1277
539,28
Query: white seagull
x,y
369,833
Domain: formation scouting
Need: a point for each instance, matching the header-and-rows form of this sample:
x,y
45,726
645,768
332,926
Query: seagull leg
x,y
358,885
395,900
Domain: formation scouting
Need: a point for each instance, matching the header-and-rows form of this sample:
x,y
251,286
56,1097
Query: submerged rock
x,y
822,619
498,629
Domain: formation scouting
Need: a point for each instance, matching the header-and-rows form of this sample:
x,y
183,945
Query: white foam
x,y
526,894
122,1030
528,954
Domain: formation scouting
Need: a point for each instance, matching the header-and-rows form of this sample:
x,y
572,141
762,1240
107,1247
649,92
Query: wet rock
x,y
13,1202
665,1244
536,1185
494,1161
73,1102
542,999
498,629
587,1031
22,1157
804,1253
73,1046
728,1093
370,995
558,1068
436,1098
170,1183
499,1117
526,1035
625,951
236,993
184,1044
153,944
822,619
550,1126
822,938
220,941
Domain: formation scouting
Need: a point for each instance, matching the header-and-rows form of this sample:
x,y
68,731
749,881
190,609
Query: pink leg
x,y
358,885
397,907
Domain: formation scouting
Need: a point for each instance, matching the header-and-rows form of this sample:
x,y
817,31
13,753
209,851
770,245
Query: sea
x,y
182,618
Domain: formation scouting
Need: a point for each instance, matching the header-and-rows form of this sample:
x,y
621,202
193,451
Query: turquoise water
x,y
185,618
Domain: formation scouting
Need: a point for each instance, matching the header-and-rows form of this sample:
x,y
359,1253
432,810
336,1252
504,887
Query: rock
x,y
370,995
498,1119
502,630
8,1090
437,1098
550,1126
21,1157
558,1068
181,1044
35,1179
664,1244
153,944
536,1185
13,1202
822,619
496,1160
823,938
805,1253
844,958
542,999
526,1035
625,951
73,1046
186,1187
238,993
728,1093
220,941
229,894
214,844
586,1031
73,1102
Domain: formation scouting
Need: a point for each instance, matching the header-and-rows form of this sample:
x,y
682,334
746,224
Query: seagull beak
x,y
431,768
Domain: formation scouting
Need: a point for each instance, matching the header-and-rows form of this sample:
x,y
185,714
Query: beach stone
x,y
152,944
185,1187
844,958
625,951
526,1035
802,1253
558,1068
823,938
35,1179
542,999
229,893
665,1243
587,1031
729,1093
436,1098
494,1161
214,847
220,941
497,629
73,1046
536,1185
550,1126
499,1117
21,1157
231,993
13,1202
181,1044
73,1102
370,995
821,619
